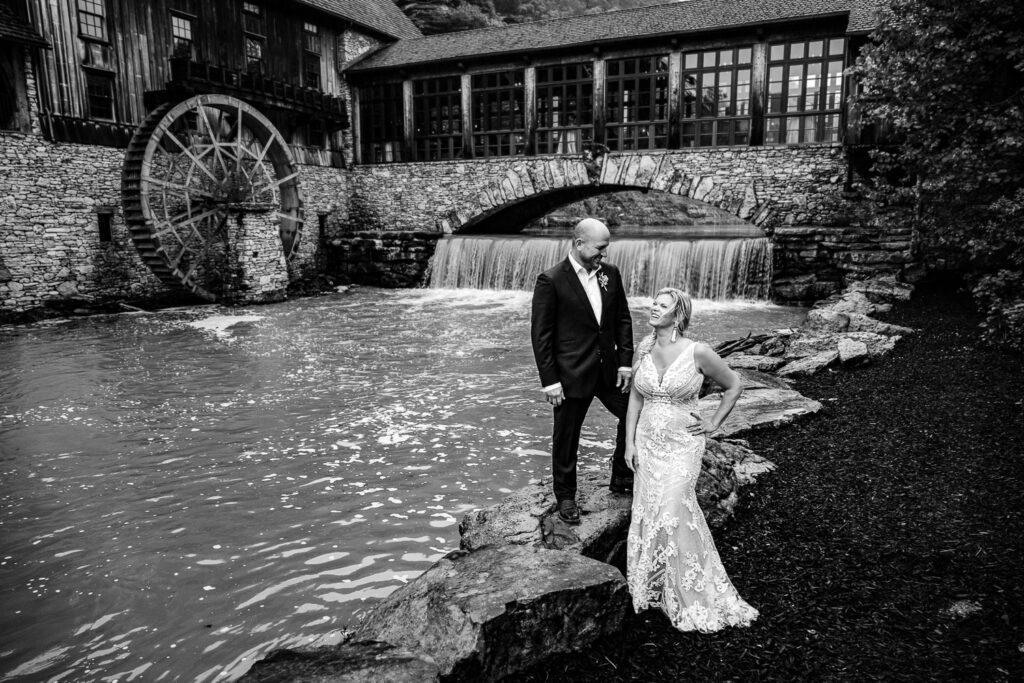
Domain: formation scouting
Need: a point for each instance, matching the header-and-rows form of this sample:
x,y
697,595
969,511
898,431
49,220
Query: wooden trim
x,y
467,115
407,123
357,132
675,96
599,99
758,92
530,104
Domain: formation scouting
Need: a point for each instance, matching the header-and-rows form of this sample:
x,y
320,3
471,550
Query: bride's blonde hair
x,y
683,306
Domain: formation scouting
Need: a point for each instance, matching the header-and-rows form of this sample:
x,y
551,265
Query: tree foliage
x,y
947,77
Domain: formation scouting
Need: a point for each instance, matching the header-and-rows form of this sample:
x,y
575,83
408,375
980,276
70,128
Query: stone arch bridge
x,y
769,187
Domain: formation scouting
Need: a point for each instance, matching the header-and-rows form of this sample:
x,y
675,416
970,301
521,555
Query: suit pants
x,y
566,437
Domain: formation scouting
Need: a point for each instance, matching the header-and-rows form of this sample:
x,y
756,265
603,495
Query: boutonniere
x,y
602,279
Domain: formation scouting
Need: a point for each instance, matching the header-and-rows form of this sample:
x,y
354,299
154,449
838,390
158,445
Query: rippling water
x,y
184,491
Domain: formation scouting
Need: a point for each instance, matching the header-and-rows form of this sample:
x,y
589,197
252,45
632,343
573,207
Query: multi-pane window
x,y
100,95
311,55
252,23
805,89
716,97
181,35
565,108
381,122
91,23
499,126
437,118
252,18
636,99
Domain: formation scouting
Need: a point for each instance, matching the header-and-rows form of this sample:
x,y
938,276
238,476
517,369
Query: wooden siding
x,y
139,34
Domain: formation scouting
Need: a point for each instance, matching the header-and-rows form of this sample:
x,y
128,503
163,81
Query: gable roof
x,y
16,30
689,16
380,15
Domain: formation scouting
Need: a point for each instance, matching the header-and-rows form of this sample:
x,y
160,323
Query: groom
x,y
583,343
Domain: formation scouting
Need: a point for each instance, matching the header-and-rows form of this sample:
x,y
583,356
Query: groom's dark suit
x,y
572,348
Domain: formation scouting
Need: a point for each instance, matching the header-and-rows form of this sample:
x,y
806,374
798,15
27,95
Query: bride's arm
x,y
636,403
712,365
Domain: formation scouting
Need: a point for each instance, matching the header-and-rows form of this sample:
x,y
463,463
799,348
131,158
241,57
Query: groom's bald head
x,y
590,230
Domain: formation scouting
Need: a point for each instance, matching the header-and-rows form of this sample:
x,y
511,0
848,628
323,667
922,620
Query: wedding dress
x,y
671,560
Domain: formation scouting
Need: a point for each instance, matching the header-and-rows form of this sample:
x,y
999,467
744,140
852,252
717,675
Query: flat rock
x,y
527,517
809,365
726,467
826,320
813,343
760,409
882,289
862,323
353,662
852,351
853,301
487,614
754,362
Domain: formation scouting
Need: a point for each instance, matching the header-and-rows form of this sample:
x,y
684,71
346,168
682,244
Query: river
x,y
186,490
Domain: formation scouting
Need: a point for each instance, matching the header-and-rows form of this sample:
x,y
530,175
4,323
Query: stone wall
x,y
813,262
257,271
383,259
51,195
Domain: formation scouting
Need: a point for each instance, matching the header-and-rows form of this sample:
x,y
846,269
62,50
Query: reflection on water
x,y
184,491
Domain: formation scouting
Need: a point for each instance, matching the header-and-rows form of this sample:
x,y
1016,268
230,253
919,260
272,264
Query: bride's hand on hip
x,y
701,425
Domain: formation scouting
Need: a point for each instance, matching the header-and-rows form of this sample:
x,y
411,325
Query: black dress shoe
x,y
621,485
568,512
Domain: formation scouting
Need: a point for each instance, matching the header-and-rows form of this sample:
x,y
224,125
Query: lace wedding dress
x,y
671,558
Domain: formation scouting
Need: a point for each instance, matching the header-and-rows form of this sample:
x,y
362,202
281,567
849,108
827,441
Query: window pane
x,y
835,46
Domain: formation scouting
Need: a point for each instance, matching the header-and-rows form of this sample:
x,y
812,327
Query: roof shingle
x,y
689,16
380,15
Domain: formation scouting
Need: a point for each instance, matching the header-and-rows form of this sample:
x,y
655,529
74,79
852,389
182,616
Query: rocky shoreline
x,y
524,586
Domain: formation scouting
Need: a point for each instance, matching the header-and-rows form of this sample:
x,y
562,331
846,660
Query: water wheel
x,y
187,167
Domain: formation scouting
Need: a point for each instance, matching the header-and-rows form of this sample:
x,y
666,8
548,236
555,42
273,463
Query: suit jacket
x,y
568,344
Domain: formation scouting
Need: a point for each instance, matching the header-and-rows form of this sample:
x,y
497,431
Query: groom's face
x,y
592,250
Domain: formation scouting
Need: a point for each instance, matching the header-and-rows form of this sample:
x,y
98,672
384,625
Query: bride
x,y
671,559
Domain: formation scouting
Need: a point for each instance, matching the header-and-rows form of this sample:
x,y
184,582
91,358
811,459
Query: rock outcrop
x,y
485,614
353,662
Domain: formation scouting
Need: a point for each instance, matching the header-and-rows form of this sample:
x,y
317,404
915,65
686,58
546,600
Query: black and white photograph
x,y
511,340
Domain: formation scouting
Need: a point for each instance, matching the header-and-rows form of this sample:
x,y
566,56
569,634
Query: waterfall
x,y
706,268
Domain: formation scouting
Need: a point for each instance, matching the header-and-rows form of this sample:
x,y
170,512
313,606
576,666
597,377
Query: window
x,y
805,91
104,218
637,103
100,95
181,35
91,19
499,126
311,55
565,106
252,23
437,118
381,123
716,98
